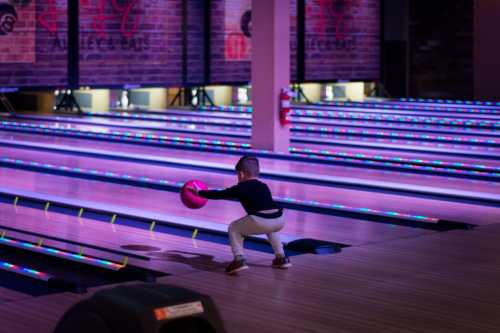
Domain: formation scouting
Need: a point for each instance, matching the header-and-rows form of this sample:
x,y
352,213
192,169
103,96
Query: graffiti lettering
x,y
128,25
8,18
48,18
236,47
100,44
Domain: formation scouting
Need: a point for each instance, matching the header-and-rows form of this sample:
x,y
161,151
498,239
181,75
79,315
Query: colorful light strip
x,y
412,163
314,154
450,101
354,131
320,155
397,135
138,136
24,271
369,105
60,254
179,185
381,117
188,119
315,113
361,132
407,107
228,130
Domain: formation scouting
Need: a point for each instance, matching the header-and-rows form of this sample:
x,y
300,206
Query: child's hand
x,y
193,190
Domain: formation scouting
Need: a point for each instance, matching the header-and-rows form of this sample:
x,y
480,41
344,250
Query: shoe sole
x,y
284,266
234,271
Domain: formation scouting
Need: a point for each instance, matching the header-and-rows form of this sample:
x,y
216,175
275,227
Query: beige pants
x,y
254,225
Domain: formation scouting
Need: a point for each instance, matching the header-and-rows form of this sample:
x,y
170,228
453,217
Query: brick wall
x,y
140,42
342,39
195,41
31,54
130,42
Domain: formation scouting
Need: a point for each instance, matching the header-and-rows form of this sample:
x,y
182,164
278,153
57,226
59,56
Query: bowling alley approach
x,y
249,166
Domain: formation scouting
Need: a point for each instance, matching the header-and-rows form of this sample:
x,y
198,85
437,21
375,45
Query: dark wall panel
x,y
441,48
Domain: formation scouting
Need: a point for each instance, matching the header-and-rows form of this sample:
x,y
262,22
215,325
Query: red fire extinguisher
x,y
285,107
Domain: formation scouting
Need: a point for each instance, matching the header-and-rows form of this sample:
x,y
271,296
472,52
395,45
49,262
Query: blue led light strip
x,y
413,164
450,101
179,185
408,107
244,147
354,131
395,135
361,105
463,122
6,266
60,254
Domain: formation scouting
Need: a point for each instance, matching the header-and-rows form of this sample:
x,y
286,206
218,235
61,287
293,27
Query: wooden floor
x,y
393,278
440,282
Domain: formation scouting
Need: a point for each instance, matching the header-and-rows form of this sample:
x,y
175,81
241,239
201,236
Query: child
x,y
264,216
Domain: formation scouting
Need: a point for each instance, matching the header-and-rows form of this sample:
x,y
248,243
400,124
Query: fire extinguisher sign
x,y
285,106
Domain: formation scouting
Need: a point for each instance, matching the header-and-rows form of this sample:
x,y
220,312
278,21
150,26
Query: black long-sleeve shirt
x,y
253,195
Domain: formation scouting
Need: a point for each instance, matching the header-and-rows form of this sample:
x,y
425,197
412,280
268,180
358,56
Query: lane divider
x,y
390,133
79,244
410,107
54,252
451,101
312,155
164,184
450,120
26,271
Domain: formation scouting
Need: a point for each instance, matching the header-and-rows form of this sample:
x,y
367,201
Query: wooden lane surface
x,y
157,151
161,124
8,295
174,254
322,141
213,127
232,159
361,174
375,288
386,202
300,224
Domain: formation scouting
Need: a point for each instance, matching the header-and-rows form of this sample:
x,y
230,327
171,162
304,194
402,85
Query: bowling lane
x,y
469,106
366,149
355,198
340,119
325,140
301,224
309,139
276,165
368,111
312,125
114,237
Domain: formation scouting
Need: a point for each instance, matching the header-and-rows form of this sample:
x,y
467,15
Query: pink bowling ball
x,y
191,200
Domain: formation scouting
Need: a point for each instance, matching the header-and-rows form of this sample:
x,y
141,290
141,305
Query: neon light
x,y
396,106
24,271
297,201
448,101
326,114
59,253
313,154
